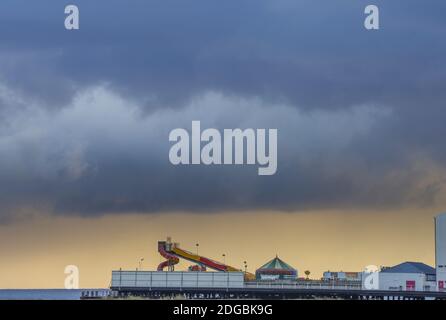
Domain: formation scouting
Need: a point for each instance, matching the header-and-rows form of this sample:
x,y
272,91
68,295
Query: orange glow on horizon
x,y
36,251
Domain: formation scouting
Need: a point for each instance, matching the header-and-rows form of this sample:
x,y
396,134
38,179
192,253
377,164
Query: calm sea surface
x,y
41,294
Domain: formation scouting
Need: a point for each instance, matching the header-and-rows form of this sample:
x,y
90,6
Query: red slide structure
x,y
172,259
172,252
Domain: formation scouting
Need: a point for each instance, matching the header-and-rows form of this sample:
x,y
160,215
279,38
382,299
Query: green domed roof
x,y
277,264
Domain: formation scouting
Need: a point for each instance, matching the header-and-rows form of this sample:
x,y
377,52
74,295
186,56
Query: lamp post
x,y
197,245
224,258
140,263
246,266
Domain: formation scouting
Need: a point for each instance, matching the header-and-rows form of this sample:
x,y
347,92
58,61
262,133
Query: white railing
x,y
297,285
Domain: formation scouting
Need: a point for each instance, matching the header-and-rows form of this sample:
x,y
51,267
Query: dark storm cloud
x,y
164,52
357,111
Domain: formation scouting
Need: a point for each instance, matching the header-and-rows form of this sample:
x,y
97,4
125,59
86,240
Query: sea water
x,y
41,294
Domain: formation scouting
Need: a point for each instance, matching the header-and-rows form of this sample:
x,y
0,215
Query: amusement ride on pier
x,y
172,252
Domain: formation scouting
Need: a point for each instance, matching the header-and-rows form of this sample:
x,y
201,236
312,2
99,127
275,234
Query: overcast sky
x,y
85,115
